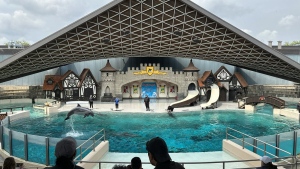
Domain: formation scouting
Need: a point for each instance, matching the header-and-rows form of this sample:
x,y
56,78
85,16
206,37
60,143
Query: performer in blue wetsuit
x,y
117,102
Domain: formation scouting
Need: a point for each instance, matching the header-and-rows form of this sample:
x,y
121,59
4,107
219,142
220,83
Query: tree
x,y
293,43
22,42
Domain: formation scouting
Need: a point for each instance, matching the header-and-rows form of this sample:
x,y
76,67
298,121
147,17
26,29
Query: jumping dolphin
x,y
80,110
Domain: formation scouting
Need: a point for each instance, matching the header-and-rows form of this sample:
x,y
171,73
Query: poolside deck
x,y
156,105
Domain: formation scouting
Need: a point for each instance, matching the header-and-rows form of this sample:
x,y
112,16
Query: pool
x,y
201,131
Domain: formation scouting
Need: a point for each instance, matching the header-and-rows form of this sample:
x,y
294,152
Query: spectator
x,y
159,156
91,101
117,102
119,167
266,163
136,163
298,106
147,101
65,152
9,163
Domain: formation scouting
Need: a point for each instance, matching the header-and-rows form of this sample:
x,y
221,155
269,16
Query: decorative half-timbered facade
x,y
53,87
87,85
238,87
204,83
70,83
223,76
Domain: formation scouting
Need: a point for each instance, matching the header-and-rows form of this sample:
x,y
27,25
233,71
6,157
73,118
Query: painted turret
x,y
108,78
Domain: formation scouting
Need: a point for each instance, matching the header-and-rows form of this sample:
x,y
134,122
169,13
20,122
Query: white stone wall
x,y
180,79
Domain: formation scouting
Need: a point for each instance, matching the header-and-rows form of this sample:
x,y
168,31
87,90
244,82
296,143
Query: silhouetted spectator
x,y
65,152
266,163
136,163
119,166
159,156
9,163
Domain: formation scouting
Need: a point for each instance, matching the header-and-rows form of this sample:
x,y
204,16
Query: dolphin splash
x,y
80,110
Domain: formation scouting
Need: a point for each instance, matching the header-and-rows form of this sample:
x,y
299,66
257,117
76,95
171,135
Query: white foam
x,y
74,134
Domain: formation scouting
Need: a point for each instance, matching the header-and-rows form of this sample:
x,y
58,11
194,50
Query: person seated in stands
x,y
119,166
158,154
65,152
170,109
298,106
266,163
136,163
9,163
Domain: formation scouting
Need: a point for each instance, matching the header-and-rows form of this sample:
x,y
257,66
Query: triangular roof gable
x,y
67,74
189,30
226,70
56,82
240,79
83,75
206,74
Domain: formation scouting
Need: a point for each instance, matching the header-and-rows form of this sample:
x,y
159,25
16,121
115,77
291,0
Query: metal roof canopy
x,y
150,28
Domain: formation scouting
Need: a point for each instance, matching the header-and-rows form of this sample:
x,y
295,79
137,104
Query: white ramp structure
x,y
192,97
214,96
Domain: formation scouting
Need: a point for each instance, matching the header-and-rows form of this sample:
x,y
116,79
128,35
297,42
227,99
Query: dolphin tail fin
x,y
78,105
67,118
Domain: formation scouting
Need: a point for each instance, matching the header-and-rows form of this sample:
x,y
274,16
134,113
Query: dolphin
x,y
80,110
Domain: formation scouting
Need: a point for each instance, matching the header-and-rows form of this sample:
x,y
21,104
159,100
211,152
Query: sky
x,y
33,20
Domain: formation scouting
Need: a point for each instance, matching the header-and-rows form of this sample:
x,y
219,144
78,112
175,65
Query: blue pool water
x,y
185,132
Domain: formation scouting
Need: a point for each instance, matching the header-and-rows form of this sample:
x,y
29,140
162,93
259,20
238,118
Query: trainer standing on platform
x,y
147,101
117,102
91,101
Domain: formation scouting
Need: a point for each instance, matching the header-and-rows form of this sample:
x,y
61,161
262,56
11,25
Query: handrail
x,y
243,142
94,141
12,108
295,160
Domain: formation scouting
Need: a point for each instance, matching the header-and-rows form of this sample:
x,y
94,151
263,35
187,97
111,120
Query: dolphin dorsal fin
x,y
78,105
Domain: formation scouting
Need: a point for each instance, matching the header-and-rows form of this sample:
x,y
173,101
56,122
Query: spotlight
x,y
106,40
178,32
196,40
125,32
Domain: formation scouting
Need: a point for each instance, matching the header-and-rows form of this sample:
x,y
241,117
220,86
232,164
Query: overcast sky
x,y
33,20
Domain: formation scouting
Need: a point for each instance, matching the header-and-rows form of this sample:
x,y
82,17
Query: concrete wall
x,y
291,113
239,153
274,90
96,155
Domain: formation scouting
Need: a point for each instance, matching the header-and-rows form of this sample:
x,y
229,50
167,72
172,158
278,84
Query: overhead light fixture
x,y
196,39
106,40
178,32
125,32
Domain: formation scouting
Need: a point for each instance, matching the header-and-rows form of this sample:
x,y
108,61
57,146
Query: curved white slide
x,y
190,98
214,96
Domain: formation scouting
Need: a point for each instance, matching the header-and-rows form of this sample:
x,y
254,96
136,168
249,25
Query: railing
x,y
256,141
26,142
223,163
11,108
93,138
274,101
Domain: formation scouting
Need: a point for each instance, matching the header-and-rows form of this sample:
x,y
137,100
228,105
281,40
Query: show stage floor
x,y
156,105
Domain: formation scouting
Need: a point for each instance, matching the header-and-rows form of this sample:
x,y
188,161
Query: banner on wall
x,y
162,89
125,90
135,89
172,89
149,89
